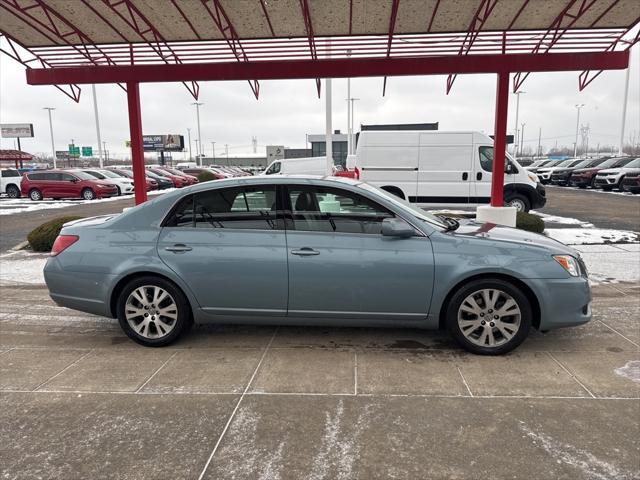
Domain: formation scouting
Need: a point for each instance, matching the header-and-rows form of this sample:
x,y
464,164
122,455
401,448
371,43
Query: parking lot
x,y
80,400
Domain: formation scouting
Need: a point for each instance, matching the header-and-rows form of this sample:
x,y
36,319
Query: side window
x,y
65,177
321,209
486,158
252,208
34,176
53,177
274,168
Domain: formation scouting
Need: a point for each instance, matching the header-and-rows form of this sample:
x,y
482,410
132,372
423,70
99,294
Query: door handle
x,y
305,252
178,248
479,176
465,175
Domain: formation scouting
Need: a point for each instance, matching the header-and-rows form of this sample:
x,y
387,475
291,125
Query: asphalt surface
x,y
79,400
603,209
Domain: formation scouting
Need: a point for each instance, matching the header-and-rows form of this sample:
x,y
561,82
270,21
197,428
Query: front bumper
x,y
539,198
580,181
631,184
606,181
563,302
560,179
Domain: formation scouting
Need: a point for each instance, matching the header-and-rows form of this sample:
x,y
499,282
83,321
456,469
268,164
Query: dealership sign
x,y
163,143
16,130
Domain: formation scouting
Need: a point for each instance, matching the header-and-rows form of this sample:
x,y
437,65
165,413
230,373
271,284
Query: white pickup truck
x,y
10,182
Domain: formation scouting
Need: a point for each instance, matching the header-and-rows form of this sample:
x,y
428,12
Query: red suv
x,y
178,181
60,184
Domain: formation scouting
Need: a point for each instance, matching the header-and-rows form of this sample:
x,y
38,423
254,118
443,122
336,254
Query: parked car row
x,y
620,173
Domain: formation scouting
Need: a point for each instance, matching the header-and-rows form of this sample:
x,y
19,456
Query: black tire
x,y
451,316
35,195
519,201
13,191
119,191
593,182
394,191
88,194
182,323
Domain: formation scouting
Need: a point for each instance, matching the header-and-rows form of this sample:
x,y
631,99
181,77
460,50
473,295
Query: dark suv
x,y
60,184
560,176
585,177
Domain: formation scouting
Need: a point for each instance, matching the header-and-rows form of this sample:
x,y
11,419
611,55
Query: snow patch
x,y
592,467
562,220
22,268
630,371
581,236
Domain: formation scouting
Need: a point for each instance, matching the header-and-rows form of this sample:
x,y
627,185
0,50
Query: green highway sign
x,y
73,150
87,151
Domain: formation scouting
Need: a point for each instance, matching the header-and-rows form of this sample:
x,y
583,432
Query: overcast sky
x,y
287,110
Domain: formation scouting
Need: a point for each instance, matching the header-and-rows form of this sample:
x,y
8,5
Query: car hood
x,y
499,233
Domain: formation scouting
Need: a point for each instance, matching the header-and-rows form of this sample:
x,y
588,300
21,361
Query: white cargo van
x,y
442,169
299,166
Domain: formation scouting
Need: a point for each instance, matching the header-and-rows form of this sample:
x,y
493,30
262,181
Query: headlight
x,y
569,263
532,177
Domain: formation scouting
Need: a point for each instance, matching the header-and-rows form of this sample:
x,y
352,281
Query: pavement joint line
x,y
617,289
156,372
310,394
7,351
64,369
355,373
235,409
614,330
464,380
571,374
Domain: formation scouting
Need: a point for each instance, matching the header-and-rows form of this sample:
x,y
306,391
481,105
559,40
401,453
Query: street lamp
x,y
53,145
199,149
522,138
213,151
575,145
515,140
189,135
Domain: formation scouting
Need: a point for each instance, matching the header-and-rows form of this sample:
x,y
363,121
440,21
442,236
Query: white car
x,y
611,178
10,182
125,185
544,173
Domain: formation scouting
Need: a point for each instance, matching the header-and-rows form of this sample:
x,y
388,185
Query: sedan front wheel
x,y
153,311
489,317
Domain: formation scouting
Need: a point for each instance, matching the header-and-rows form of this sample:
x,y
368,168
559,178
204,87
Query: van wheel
x,y
35,195
152,311
519,201
394,191
88,194
489,316
13,191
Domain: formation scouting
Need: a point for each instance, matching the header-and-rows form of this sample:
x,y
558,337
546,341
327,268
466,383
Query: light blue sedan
x,y
313,251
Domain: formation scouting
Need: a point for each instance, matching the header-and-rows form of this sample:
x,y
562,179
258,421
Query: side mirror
x,y
74,180
395,227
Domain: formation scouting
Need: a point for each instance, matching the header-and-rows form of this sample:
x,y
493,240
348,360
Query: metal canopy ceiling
x,y
121,21
52,34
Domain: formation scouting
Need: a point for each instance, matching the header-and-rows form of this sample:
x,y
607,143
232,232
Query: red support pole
x,y
500,139
137,152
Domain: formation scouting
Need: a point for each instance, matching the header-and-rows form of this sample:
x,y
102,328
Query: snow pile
x,y
22,267
582,236
562,220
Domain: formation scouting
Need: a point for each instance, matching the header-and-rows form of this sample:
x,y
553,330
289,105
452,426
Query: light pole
x,y
353,115
198,104
624,108
575,145
522,138
213,151
189,135
226,149
515,140
53,145
104,149
95,113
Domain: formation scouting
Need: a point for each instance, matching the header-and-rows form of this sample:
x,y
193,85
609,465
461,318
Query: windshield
x,y
610,163
634,164
108,174
175,172
86,176
623,162
412,209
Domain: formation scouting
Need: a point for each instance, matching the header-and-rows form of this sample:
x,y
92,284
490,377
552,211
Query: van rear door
x,y
445,168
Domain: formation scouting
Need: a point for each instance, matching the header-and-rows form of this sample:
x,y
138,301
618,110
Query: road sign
x,y
16,130
87,151
74,151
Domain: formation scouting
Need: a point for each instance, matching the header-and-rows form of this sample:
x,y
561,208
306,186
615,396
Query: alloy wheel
x,y
151,311
489,317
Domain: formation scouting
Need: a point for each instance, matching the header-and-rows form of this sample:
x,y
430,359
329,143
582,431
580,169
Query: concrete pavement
x,y
79,400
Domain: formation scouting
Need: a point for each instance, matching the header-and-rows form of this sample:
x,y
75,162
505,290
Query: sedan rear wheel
x,y
489,317
153,311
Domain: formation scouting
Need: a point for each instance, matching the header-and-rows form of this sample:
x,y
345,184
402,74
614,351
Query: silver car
x,y
313,251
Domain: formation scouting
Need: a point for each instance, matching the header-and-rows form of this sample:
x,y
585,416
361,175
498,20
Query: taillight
x,y
357,170
62,243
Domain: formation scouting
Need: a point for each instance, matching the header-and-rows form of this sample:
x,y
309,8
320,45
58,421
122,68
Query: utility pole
x,y
522,138
353,143
189,135
95,113
226,150
515,140
575,148
624,108
104,149
213,151
538,153
53,145
254,144
199,149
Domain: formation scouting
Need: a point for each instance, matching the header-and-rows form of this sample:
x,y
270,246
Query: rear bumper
x,y
563,302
